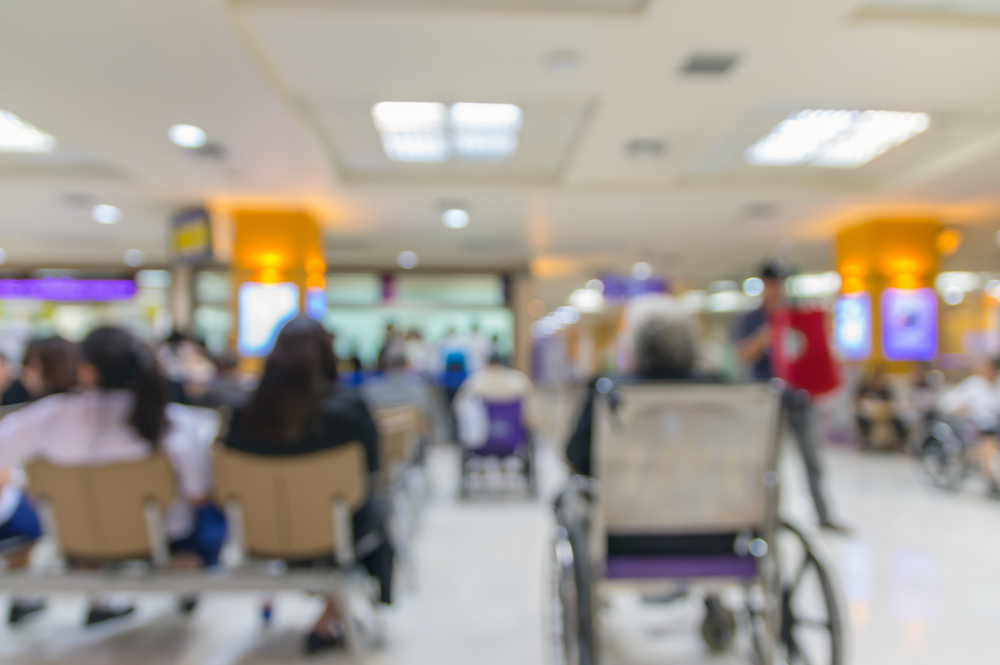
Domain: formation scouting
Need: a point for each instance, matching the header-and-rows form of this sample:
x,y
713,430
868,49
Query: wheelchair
x,y
685,495
507,438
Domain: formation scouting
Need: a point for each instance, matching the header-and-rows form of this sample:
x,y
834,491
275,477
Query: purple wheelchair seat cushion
x,y
653,567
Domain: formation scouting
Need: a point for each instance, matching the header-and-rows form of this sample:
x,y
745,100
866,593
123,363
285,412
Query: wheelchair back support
x,y
683,459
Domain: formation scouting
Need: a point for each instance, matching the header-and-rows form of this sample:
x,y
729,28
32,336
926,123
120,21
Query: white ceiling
x,y
108,77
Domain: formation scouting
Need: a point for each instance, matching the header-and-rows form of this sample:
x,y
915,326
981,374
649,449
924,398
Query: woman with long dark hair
x,y
121,414
298,409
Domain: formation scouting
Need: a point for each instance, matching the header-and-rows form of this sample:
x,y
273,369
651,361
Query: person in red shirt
x,y
757,336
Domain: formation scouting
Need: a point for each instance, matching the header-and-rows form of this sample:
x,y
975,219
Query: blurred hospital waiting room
x,y
499,332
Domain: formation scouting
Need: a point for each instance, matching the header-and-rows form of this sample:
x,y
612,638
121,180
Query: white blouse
x,y
91,429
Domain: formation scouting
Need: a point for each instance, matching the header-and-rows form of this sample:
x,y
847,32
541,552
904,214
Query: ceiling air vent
x,y
645,148
759,210
709,63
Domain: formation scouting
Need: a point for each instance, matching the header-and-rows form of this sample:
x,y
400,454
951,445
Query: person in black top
x,y
297,409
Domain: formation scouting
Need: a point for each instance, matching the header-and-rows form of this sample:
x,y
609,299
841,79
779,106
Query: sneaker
x,y
22,609
186,605
316,643
98,614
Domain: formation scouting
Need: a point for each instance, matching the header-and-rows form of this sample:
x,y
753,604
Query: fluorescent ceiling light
x,y
16,135
433,132
835,139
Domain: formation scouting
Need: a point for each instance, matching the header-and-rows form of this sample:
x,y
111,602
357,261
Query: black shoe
x,y
186,605
21,609
102,614
316,642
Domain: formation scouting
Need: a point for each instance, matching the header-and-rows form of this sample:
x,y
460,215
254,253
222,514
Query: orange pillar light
x,y
892,263
278,271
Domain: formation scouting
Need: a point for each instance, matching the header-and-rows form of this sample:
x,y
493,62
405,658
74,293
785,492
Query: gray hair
x,y
663,337
665,348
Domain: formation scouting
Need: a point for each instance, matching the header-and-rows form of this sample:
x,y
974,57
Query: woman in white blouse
x,y
121,415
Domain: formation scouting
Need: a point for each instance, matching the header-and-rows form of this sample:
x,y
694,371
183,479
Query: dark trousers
x,y
800,413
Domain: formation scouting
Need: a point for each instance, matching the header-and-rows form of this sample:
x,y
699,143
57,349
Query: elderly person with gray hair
x,y
657,342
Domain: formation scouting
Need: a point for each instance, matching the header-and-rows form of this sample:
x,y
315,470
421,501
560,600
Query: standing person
x,y
122,415
480,349
297,409
754,345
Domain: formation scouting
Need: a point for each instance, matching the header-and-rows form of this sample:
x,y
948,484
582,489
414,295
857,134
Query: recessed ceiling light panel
x,y
17,135
455,218
106,214
187,136
835,139
433,132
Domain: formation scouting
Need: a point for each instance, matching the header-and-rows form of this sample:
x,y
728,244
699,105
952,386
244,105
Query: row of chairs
x,y
277,509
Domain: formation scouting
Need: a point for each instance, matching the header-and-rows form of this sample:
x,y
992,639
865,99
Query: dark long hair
x,y
124,362
299,372
57,359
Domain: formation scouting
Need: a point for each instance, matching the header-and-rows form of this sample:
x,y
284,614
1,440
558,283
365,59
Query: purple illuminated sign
x,y
909,324
618,288
65,288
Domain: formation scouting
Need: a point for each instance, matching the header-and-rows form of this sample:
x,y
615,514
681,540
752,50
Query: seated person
x,y
399,386
298,408
874,401
122,415
659,344
49,368
498,383
977,397
227,390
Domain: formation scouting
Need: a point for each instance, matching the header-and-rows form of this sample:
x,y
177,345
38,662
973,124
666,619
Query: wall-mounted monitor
x,y
909,324
852,325
264,309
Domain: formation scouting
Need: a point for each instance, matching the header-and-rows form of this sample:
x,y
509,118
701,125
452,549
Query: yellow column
x,y
888,253
276,247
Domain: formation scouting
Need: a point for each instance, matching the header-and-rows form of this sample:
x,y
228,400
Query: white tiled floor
x,y
920,580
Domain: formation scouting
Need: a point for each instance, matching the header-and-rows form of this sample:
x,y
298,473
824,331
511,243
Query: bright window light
x,y
16,135
187,136
434,132
587,300
835,139
753,286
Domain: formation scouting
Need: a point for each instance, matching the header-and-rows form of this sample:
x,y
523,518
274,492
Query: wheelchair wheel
x,y
940,465
718,628
565,619
811,628
531,472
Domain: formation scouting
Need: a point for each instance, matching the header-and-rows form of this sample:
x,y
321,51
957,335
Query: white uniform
x,y
91,429
496,383
976,398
